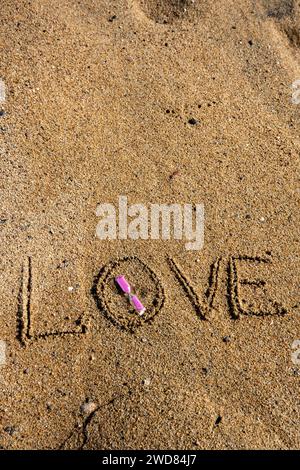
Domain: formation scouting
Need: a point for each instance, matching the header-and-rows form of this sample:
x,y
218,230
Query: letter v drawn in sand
x,y
201,307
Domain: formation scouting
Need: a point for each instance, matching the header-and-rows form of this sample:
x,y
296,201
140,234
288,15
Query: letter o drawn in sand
x,y
143,281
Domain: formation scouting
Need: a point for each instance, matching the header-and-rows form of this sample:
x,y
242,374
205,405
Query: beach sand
x,y
162,101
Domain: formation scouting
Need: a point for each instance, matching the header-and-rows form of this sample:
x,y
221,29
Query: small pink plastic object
x,y
123,284
133,299
137,304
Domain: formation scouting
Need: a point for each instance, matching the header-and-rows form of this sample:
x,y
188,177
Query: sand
x,y
99,98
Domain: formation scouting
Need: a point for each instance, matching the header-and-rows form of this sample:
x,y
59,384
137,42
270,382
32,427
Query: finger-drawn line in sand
x,y
25,328
233,290
78,437
80,432
202,308
116,309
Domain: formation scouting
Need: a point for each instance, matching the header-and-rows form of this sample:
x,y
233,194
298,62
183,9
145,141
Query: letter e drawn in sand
x,y
142,279
265,306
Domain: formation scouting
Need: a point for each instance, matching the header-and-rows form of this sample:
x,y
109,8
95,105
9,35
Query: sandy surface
x,y
99,95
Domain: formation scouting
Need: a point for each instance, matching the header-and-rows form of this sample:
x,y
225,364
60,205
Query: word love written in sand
x,y
150,289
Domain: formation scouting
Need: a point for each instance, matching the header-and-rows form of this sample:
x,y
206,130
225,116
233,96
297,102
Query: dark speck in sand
x,y
226,339
218,420
174,174
11,430
2,113
112,18
193,122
